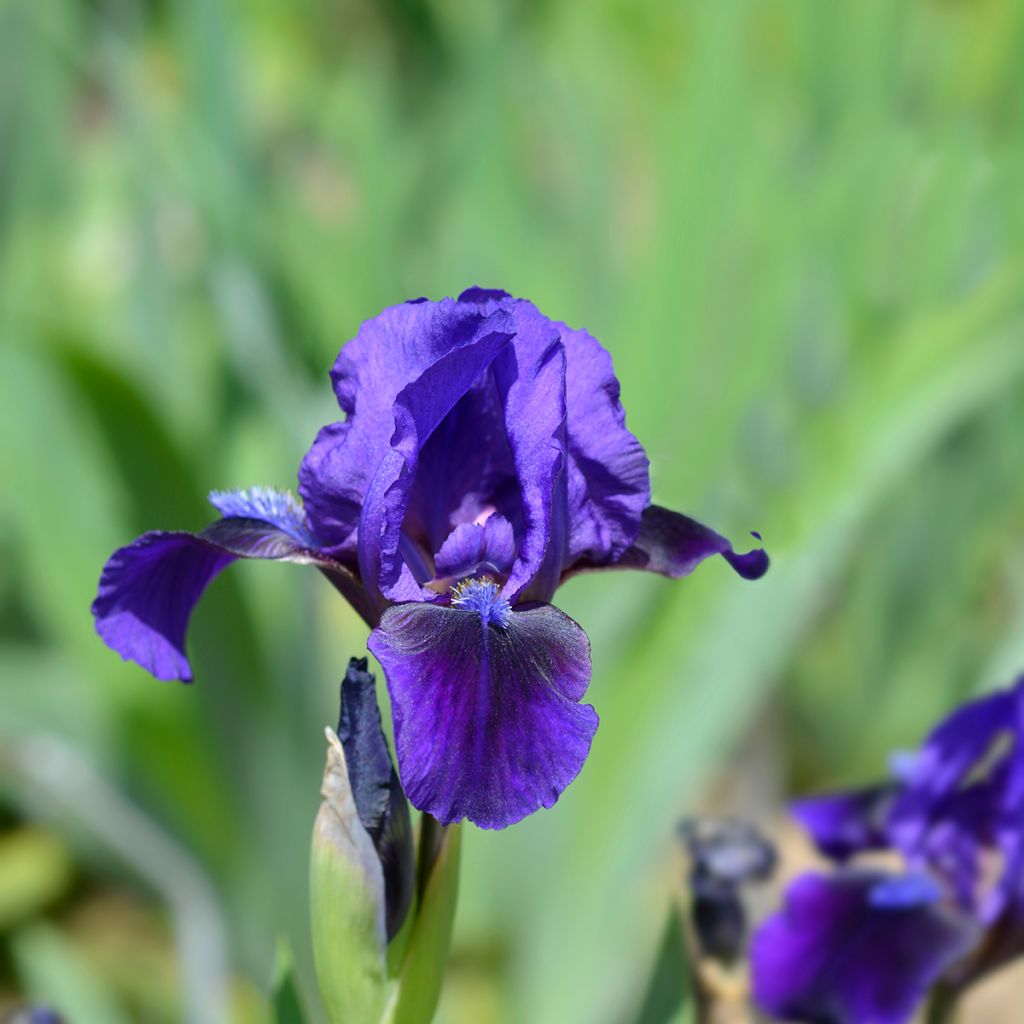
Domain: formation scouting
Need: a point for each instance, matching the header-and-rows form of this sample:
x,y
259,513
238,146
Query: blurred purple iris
x,y
859,946
483,459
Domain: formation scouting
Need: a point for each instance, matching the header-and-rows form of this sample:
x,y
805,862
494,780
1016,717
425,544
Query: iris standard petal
x,y
609,483
607,480
842,824
388,353
488,724
148,589
418,410
531,381
855,948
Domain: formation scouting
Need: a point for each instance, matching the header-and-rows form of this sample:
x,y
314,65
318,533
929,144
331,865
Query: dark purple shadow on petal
x,y
148,589
487,721
855,947
465,468
483,296
843,824
674,545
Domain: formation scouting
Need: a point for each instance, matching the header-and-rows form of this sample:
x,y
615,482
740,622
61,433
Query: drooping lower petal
x,y
843,824
146,595
855,948
674,545
148,589
488,724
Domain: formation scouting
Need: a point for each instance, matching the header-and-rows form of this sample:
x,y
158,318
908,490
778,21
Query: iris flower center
x,y
482,595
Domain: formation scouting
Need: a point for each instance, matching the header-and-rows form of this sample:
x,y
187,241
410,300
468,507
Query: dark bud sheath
x,y
725,856
376,790
719,919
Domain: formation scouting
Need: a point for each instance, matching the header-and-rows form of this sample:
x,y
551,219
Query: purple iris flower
x,y
857,946
483,459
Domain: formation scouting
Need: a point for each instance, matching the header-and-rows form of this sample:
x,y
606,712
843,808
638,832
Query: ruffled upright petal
x,y
419,409
606,469
855,948
389,352
609,484
488,724
148,589
531,381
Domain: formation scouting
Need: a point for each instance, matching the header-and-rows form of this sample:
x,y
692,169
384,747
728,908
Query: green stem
x,y
942,1005
431,837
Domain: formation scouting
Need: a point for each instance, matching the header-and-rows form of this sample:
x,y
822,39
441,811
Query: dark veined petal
x,y
389,352
473,546
485,703
380,802
842,824
674,545
148,589
418,410
855,948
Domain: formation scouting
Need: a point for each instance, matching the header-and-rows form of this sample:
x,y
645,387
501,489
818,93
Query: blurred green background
x,y
799,229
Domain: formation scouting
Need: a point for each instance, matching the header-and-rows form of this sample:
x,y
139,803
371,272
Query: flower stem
x,y
431,836
942,1005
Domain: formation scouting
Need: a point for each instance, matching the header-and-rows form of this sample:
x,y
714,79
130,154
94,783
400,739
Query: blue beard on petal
x,y
484,596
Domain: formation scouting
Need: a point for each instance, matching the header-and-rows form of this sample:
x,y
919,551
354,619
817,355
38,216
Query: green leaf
x,y
287,1003
667,996
419,987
